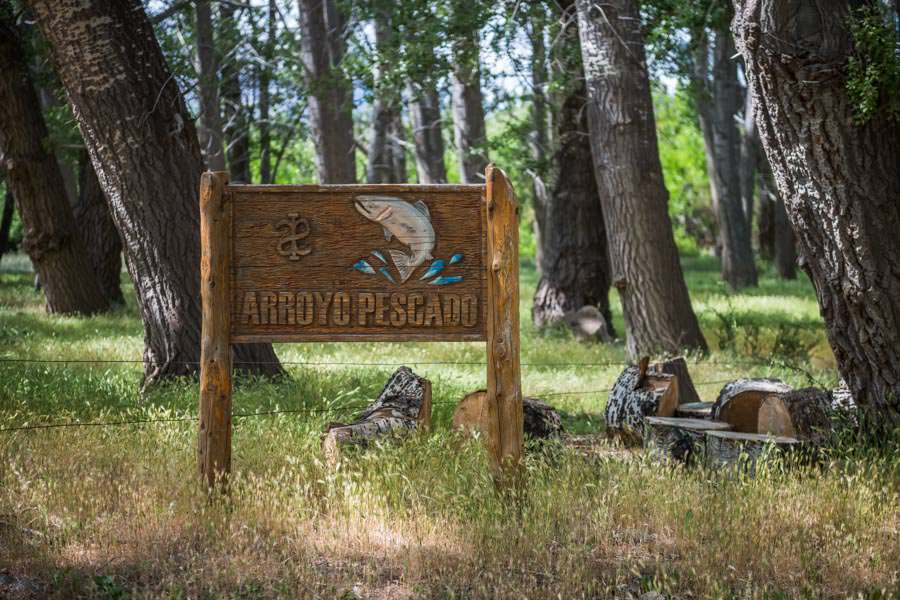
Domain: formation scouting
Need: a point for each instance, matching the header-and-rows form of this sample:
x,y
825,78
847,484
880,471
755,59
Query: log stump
x,y
687,393
541,421
403,405
804,414
734,448
678,440
739,401
694,410
638,394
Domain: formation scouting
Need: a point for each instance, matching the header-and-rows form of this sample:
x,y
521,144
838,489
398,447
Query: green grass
x,y
117,512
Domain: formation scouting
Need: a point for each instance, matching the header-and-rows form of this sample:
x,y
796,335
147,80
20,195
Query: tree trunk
x,y
718,102
750,155
468,107
145,152
101,239
785,247
645,265
397,144
840,182
636,395
767,199
380,168
264,77
803,414
6,220
50,235
425,114
236,127
210,130
539,137
330,95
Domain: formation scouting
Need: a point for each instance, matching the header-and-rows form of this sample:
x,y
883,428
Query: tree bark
x,y
144,149
397,144
425,114
750,155
840,182
330,92
539,137
785,247
644,260
236,127
210,130
468,107
264,76
6,220
98,232
50,235
380,168
718,102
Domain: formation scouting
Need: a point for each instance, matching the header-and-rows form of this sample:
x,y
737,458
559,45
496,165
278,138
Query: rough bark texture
x,y
264,77
9,204
98,232
785,247
739,401
678,440
718,103
644,260
540,143
330,93
425,114
145,152
50,235
750,156
636,395
804,414
210,130
743,450
468,108
540,420
397,144
840,181
403,405
380,168
235,126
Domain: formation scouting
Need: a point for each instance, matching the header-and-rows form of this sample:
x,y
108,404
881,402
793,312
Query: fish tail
x,y
402,262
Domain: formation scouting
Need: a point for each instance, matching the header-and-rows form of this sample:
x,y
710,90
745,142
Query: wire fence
x,y
9,361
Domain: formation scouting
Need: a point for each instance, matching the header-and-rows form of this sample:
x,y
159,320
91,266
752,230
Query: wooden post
x,y
503,414
214,439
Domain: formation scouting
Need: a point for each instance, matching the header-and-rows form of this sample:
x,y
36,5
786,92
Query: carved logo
x,y
294,229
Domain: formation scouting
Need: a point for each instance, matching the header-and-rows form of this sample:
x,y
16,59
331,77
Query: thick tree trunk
x,y
840,182
718,103
9,204
750,155
236,127
144,150
425,114
210,130
785,247
98,232
331,95
768,196
50,235
468,108
644,260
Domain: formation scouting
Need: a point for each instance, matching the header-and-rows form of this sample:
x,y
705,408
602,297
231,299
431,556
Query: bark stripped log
x,y
678,440
804,414
737,449
540,420
402,406
739,401
638,394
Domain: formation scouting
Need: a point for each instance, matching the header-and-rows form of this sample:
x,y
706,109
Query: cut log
x,y
804,414
679,440
588,324
403,405
739,401
687,393
843,406
728,448
638,394
541,421
694,410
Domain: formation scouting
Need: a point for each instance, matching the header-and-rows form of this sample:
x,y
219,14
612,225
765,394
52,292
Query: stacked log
x,y
403,405
694,410
636,394
739,401
732,448
687,393
540,420
804,414
678,440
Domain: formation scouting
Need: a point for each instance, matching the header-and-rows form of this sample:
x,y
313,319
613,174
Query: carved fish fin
x,y
422,207
387,234
401,261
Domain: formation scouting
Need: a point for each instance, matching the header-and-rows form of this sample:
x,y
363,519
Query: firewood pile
x,y
657,406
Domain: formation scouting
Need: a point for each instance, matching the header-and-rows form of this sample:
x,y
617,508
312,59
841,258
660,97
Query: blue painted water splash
x,y
364,267
447,279
435,268
455,258
386,274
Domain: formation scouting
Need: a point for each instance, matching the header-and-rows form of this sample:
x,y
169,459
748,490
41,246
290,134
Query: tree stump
x,y
638,394
804,414
687,393
679,440
739,401
694,410
541,421
403,405
731,448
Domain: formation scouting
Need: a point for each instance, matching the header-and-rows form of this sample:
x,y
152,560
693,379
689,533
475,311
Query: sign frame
x,y
499,321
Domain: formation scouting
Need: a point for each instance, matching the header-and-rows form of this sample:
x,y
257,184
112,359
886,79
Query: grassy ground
x,y
116,512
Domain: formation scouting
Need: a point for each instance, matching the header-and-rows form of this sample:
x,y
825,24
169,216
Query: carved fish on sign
x,y
409,222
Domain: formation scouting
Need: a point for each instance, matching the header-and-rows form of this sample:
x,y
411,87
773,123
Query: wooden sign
x,y
285,263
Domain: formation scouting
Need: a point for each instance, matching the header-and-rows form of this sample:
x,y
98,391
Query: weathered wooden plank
x,y
504,388
214,433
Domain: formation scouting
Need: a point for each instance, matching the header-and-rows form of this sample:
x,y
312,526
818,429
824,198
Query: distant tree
x,y
322,33
468,102
386,105
825,88
540,108
644,259
235,126
145,152
210,130
264,76
425,115
51,237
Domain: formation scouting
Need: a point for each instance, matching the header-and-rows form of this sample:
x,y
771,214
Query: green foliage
x,y
873,81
